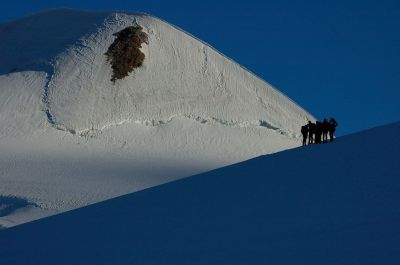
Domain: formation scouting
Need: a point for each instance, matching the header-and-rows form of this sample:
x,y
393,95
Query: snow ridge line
x,y
220,53
92,132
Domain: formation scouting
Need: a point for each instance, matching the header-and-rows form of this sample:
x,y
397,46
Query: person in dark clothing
x,y
318,132
304,132
311,132
332,128
325,130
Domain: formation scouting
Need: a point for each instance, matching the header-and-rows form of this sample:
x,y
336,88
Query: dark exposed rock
x,y
124,53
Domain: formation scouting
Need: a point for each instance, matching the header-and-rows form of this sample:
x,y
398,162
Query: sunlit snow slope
x,y
70,137
335,203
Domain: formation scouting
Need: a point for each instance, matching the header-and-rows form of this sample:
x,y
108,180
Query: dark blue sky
x,y
338,59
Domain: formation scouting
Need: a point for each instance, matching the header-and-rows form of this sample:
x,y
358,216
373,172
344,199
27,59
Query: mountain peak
x,y
163,102
180,75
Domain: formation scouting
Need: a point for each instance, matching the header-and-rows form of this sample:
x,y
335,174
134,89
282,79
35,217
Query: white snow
x,y
335,203
69,137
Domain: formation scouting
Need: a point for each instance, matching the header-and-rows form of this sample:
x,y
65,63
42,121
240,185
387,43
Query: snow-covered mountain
x,y
323,204
69,136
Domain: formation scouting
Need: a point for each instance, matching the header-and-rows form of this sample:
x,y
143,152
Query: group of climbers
x,y
318,132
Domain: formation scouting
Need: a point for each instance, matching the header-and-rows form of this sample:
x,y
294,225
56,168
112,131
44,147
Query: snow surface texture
x,y
69,137
335,203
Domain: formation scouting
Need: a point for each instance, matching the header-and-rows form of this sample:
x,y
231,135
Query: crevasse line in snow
x,y
49,68
45,97
51,119
202,120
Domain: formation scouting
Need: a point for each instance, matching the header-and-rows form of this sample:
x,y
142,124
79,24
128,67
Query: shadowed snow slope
x,y
335,203
70,137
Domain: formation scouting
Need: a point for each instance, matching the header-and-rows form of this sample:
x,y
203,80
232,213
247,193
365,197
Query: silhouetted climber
x,y
325,130
332,128
311,132
318,132
304,132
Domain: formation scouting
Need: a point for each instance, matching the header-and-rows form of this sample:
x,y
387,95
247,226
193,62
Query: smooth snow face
x,y
21,112
70,137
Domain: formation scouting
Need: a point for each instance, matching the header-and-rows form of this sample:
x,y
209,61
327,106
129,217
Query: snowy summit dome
x,y
96,105
179,76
